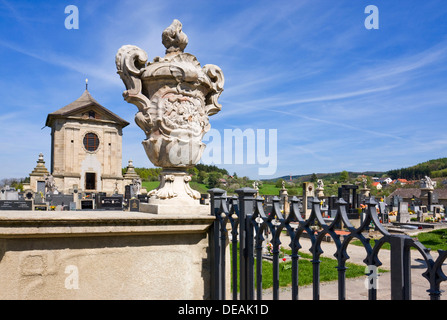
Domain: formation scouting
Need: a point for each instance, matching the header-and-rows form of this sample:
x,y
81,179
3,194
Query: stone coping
x,y
30,224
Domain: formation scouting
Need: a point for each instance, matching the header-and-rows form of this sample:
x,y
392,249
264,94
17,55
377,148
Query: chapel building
x,y
86,147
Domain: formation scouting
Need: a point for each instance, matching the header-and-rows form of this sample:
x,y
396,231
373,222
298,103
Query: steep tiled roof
x,y
409,193
83,101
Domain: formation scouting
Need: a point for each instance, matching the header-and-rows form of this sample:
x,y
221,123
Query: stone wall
x,y
104,255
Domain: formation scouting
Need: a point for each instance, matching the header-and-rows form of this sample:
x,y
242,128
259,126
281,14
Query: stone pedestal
x,y
104,255
175,97
174,195
320,192
366,192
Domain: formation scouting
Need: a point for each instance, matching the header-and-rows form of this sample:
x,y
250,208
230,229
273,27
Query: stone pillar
x,y
284,196
104,255
308,194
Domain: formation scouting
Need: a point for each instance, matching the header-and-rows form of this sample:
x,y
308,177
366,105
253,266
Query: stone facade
x,y
86,147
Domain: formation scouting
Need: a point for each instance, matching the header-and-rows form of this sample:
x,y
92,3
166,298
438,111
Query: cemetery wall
x,y
107,255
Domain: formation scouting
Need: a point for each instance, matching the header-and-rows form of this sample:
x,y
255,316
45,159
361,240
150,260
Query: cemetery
x,y
172,242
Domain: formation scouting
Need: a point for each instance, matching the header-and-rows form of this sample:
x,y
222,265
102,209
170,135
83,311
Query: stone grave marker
x,y
128,192
38,199
87,204
395,202
403,216
60,200
112,203
383,213
134,205
16,205
143,198
72,206
12,195
41,187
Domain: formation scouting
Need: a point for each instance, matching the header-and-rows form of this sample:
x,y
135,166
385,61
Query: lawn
x,y
150,185
328,271
269,189
434,240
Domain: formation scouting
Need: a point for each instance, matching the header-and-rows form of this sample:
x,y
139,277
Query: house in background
x,y
377,185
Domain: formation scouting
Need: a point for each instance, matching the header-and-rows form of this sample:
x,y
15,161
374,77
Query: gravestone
x,y
143,198
134,205
86,204
41,187
38,199
127,192
383,212
434,198
12,195
332,206
395,200
112,203
99,197
349,194
268,204
72,206
403,215
59,200
16,205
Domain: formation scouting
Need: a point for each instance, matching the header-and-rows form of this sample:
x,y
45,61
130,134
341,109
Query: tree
x,y
278,183
344,176
314,178
213,179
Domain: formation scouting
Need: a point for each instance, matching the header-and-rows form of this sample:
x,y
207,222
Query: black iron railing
x,y
249,223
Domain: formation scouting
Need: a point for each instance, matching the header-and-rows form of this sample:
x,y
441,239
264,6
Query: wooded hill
x,y
335,176
432,168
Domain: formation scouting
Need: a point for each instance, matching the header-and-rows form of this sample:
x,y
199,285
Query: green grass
x,y
150,185
328,271
434,240
271,189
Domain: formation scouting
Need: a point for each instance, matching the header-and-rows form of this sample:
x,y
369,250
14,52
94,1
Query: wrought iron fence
x,y
248,221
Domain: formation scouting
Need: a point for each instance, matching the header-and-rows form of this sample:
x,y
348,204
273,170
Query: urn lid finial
x,y
173,37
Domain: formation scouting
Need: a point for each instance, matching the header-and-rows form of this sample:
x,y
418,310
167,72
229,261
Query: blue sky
x,y
341,97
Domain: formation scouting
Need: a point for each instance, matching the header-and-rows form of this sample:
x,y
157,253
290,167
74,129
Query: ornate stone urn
x,y
175,97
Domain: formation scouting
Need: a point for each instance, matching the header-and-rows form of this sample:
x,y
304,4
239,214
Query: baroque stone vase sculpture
x,y
174,96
